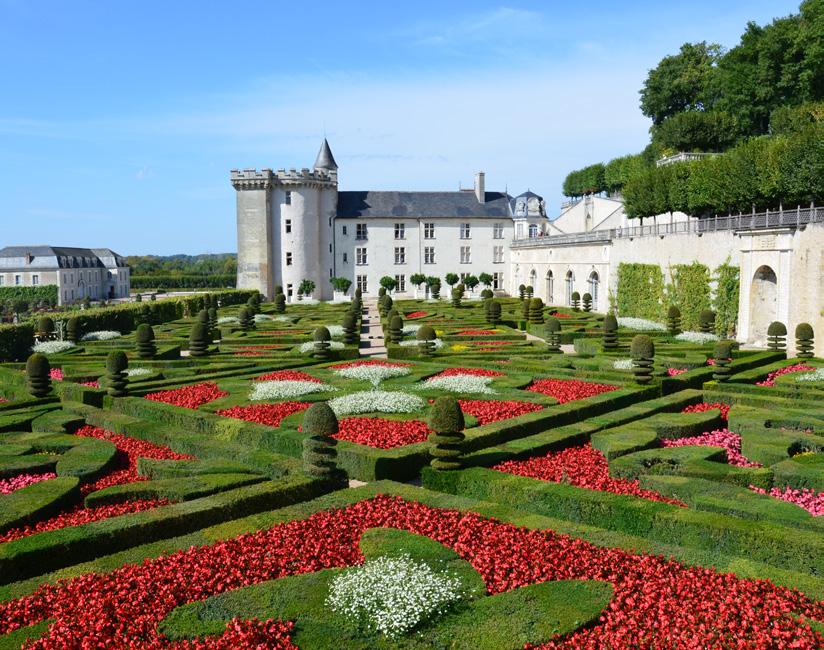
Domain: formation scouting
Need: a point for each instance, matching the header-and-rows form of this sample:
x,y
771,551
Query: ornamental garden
x,y
219,472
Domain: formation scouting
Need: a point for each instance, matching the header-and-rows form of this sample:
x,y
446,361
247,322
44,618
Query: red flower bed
x,y
9,485
287,375
657,603
559,314
486,411
90,384
190,397
475,372
370,362
674,372
417,314
775,374
568,390
476,333
268,346
583,467
56,374
727,440
809,499
491,344
381,433
268,414
708,406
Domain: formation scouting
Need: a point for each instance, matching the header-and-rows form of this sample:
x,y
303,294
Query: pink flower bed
x,y
567,390
475,372
810,500
190,397
287,375
708,406
770,380
728,440
674,372
56,374
9,485
90,384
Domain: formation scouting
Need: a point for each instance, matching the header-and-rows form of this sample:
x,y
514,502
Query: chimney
x,y
480,187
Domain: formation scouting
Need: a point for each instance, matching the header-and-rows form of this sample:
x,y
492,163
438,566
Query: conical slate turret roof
x,y
325,159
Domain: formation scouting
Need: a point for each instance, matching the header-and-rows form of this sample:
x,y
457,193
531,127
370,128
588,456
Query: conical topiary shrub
x,y
706,321
426,340
246,319
521,291
252,305
552,333
117,381
777,336
45,328
358,293
576,301
199,340
203,317
586,299
73,333
493,316
213,328
610,328
322,339
804,341
350,327
37,375
396,329
445,443
722,357
674,321
280,303
642,351
319,426
435,290
145,341
536,311
456,297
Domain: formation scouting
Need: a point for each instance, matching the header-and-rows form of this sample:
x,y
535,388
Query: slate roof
x,y
53,257
325,159
422,205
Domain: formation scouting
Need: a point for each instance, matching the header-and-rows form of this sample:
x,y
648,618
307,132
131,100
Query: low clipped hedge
x,y
35,502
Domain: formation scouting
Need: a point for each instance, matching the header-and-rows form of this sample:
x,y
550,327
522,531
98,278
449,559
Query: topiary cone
x,y
445,443
319,454
280,303
457,294
706,321
116,379
350,324
642,351
246,319
396,329
73,329
552,332
804,341
145,341
536,311
494,312
37,375
610,328
199,340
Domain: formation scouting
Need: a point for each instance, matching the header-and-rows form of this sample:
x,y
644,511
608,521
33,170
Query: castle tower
x,y
284,222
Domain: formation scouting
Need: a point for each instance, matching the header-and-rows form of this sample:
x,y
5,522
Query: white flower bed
x,y
262,318
335,330
282,319
815,375
696,337
641,324
373,374
138,372
226,320
285,389
310,345
376,401
52,347
461,384
393,595
622,364
102,335
308,301
438,343
409,330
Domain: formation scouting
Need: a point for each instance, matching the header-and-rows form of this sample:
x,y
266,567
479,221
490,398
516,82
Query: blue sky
x,y
119,122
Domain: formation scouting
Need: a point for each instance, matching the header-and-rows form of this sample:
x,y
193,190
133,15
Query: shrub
x,y
203,317
456,297
486,294
350,324
587,300
447,422
721,354
321,337
435,290
306,288
777,336
576,301
396,329
319,454
341,285
493,314
552,332
536,311
145,341
674,320
199,340
37,375
521,291
381,292
280,303
530,291
804,343
73,329
246,319
706,321
642,351
45,328
116,378
215,332
610,331
426,340
526,307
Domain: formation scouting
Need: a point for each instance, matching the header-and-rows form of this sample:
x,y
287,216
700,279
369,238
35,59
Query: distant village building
x,y
79,273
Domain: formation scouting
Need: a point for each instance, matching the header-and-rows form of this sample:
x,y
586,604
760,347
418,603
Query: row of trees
x,y
417,279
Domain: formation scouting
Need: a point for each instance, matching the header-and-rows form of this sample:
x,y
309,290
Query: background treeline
x,y
172,265
706,99
183,281
18,300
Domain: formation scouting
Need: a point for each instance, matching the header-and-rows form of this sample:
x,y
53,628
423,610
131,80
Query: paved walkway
x,y
372,343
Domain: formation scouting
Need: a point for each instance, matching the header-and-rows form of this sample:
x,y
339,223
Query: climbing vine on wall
x,y
727,286
689,290
640,291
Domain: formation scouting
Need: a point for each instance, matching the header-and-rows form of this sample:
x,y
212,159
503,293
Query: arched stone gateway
x,y
763,303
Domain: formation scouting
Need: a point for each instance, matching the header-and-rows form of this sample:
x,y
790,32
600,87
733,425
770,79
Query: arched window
x,y
550,288
570,286
593,289
533,278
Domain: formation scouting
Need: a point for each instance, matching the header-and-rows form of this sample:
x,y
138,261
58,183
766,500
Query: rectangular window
x,y
497,254
498,281
35,279
345,258
519,231
287,199
400,281
360,280
2,280
429,255
288,290
288,259
330,248
330,273
17,279
360,256
400,231
343,231
288,225
466,255
429,231
360,231
465,231
498,231
400,255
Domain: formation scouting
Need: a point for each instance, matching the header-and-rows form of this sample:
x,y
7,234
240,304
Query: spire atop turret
x,y
325,159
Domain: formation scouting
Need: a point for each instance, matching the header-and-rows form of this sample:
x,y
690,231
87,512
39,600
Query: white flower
x,y
461,384
310,345
438,343
262,318
335,330
393,595
696,337
102,335
308,301
641,324
285,389
376,401
373,374
52,347
815,375
225,320
622,364
138,372
282,319
409,330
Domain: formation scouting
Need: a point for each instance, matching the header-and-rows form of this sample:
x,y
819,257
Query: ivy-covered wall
x,y
689,290
640,291
725,303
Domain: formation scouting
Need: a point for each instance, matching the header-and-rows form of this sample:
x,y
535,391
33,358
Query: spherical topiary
x,y
37,375
777,336
447,422
426,338
722,357
674,320
576,301
804,341
45,327
610,332
552,333
706,321
587,301
246,319
350,325
145,341
319,455
199,340
530,291
457,294
536,311
117,380
280,303
73,329
642,351
396,329
521,291
486,294
493,316
322,338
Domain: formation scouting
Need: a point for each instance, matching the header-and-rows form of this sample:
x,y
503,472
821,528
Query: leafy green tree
x,y
388,282
341,284
306,288
619,170
417,279
697,131
451,279
470,281
486,279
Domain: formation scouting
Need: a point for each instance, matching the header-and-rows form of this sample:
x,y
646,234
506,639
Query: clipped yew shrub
x,y
320,424
642,351
213,328
37,375
117,381
426,340
280,303
73,333
350,325
576,301
445,443
536,311
396,329
457,294
321,348
145,341
721,359
521,291
45,328
610,328
674,321
706,321
777,336
493,314
199,340
586,299
804,342
246,319
552,333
